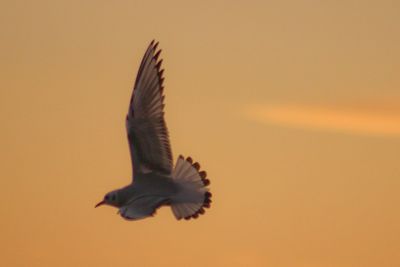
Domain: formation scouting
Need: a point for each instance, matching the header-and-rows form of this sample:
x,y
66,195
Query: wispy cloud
x,y
353,120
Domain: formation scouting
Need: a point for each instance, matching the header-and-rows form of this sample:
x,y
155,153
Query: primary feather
x,y
155,182
146,128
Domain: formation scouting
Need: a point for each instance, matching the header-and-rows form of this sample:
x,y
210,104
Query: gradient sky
x,y
292,107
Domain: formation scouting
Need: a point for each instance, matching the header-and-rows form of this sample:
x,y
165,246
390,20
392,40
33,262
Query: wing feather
x,y
146,128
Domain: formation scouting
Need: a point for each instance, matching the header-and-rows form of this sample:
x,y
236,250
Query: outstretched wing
x,y
147,132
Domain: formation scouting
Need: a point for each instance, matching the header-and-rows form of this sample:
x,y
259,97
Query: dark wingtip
x,y
157,54
155,45
159,64
160,73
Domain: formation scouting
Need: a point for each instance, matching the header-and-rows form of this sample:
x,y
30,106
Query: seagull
x,y
156,182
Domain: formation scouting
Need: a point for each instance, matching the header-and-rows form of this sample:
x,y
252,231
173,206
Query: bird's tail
x,y
193,195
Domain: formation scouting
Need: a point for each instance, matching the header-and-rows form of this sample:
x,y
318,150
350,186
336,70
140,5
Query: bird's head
x,y
110,198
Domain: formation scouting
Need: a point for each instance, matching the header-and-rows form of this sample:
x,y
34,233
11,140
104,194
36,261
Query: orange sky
x,y
291,106
354,120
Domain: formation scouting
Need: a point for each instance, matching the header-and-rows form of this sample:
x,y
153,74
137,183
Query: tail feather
x,y
193,195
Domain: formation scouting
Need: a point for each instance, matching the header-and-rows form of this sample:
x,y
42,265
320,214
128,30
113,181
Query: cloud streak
x,y
361,121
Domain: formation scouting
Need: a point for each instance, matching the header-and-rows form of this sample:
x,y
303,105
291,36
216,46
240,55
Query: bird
x,y
156,182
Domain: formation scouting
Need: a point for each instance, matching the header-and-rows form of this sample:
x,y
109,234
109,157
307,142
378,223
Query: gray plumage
x,y
155,180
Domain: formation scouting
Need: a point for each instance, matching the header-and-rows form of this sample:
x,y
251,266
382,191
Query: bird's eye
x,y
106,197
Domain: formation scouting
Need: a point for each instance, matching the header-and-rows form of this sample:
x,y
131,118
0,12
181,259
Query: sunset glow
x,y
337,119
292,108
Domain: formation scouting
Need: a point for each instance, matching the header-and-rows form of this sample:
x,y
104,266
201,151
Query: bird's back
x,y
155,183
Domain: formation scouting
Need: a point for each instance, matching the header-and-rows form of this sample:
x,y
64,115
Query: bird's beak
x,y
100,203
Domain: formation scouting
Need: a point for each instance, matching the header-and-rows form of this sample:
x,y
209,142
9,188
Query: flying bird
x,y
156,181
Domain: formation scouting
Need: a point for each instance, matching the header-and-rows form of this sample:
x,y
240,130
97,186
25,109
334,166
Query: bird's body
x,y
156,182
146,185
